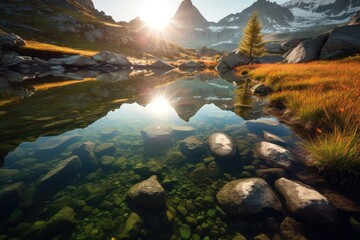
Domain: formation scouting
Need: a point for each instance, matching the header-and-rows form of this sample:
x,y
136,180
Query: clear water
x,y
42,128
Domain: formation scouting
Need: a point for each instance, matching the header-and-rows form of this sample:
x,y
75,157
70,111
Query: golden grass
x,y
323,98
38,46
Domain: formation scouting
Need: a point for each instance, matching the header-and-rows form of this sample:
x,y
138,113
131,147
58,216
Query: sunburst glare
x,y
156,14
160,106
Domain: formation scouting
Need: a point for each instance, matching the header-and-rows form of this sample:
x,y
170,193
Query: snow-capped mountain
x,y
310,13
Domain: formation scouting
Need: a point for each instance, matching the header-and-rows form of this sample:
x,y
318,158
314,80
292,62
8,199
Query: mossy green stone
x,y
184,231
182,210
191,221
205,226
239,237
132,227
211,213
249,168
245,174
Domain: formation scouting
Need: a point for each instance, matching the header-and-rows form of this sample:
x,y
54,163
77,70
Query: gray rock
x,y
270,59
261,89
222,145
65,170
290,229
116,76
161,65
15,77
10,41
191,65
48,144
232,60
274,155
291,44
306,203
112,58
272,138
148,193
105,149
85,152
342,42
307,50
132,227
157,135
80,61
245,197
192,146
182,131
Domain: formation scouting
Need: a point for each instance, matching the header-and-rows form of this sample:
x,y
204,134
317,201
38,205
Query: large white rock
x,y
274,155
246,197
306,203
112,58
222,145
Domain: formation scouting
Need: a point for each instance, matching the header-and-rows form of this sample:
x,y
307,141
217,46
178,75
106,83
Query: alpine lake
x,y
73,144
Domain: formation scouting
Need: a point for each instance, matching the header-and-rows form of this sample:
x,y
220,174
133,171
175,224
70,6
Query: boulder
x,y
290,229
222,145
245,197
157,135
261,89
191,65
291,44
64,171
307,50
10,41
274,155
192,146
51,144
63,222
105,149
112,58
148,193
272,138
270,59
80,61
85,152
232,60
161,65
132,227
342,42
306,203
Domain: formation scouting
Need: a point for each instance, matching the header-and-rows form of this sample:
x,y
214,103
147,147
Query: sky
x,y
212,10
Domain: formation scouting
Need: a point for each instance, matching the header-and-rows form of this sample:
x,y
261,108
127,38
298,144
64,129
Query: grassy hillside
x,y
322,100
35,21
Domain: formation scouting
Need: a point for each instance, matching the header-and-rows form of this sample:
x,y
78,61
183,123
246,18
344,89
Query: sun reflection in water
x,y
160,106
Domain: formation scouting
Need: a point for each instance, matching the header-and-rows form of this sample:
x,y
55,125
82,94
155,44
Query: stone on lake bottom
x,y
306,203
274,155
222,145
148,193
245,197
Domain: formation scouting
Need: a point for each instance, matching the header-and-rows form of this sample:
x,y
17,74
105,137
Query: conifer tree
x,y
252,43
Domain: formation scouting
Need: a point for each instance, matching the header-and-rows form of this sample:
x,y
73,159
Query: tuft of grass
x,y
337,155
323,99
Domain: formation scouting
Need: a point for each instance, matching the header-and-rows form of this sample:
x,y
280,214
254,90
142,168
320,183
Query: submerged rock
x,y
192,146
222,145
157,138
290,229
246,197
105,149
85,152
272,138
260,125
148,193
10,198
274,155
50,144
61,223
64,171
182,131
132,227
306,203
184,231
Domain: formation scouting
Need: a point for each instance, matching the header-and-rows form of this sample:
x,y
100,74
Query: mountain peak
x,y
188,15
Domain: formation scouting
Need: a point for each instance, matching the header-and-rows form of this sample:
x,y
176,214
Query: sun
x,y
156,14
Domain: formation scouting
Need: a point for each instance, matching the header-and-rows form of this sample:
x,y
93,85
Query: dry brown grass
x,y
324,99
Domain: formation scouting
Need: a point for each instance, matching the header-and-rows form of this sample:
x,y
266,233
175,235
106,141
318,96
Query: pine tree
x,y
252,43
